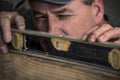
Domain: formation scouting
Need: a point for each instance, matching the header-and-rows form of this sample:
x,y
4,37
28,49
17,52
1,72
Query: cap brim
x,y
58,1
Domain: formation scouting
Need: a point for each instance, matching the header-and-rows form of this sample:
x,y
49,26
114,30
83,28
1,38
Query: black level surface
x,y
78,51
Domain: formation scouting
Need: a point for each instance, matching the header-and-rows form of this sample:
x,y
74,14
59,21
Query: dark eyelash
x,y
63,16
41,18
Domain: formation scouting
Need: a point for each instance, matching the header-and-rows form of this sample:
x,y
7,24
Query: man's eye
x,y
40,17
63,16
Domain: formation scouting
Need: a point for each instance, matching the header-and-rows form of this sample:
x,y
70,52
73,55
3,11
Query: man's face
x,y
73,19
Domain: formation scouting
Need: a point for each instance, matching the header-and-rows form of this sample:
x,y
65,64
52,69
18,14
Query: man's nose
x,y
54,25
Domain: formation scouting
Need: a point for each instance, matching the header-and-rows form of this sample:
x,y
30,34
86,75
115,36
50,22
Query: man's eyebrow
x,y
57,11
37,12
63,10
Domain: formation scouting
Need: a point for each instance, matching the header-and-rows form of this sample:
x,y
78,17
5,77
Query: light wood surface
x,y
22,67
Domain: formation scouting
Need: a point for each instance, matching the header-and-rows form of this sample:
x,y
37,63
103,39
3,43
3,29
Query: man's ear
x,y
98,11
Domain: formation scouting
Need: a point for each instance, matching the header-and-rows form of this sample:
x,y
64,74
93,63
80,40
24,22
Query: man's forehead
x,y
56,1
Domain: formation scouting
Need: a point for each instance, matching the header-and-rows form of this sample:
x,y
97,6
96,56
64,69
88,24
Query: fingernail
x,y
102,38
22,27
7,37
92,38
84,37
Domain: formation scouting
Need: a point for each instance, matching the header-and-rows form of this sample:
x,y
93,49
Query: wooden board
x,y
22,67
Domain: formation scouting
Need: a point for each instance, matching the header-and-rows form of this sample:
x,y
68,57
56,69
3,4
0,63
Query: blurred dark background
x,y
112,8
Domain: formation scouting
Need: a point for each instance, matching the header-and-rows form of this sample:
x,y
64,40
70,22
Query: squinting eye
x,y
41,17
63,16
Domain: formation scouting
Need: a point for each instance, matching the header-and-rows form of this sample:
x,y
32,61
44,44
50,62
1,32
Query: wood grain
x,y
22,67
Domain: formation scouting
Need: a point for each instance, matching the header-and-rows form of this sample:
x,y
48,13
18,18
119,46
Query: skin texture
x,y
65,19
82,21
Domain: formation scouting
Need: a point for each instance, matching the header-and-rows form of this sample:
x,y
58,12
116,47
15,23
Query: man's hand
x,y
103,33
6,19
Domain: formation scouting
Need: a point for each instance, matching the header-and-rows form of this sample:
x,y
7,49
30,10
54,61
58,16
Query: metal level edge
x,y
45,34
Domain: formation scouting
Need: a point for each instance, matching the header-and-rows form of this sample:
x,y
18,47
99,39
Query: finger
x,y
95,34
10,15
20,22
85,37
111,34
5,26
5,22
118,41
3,46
